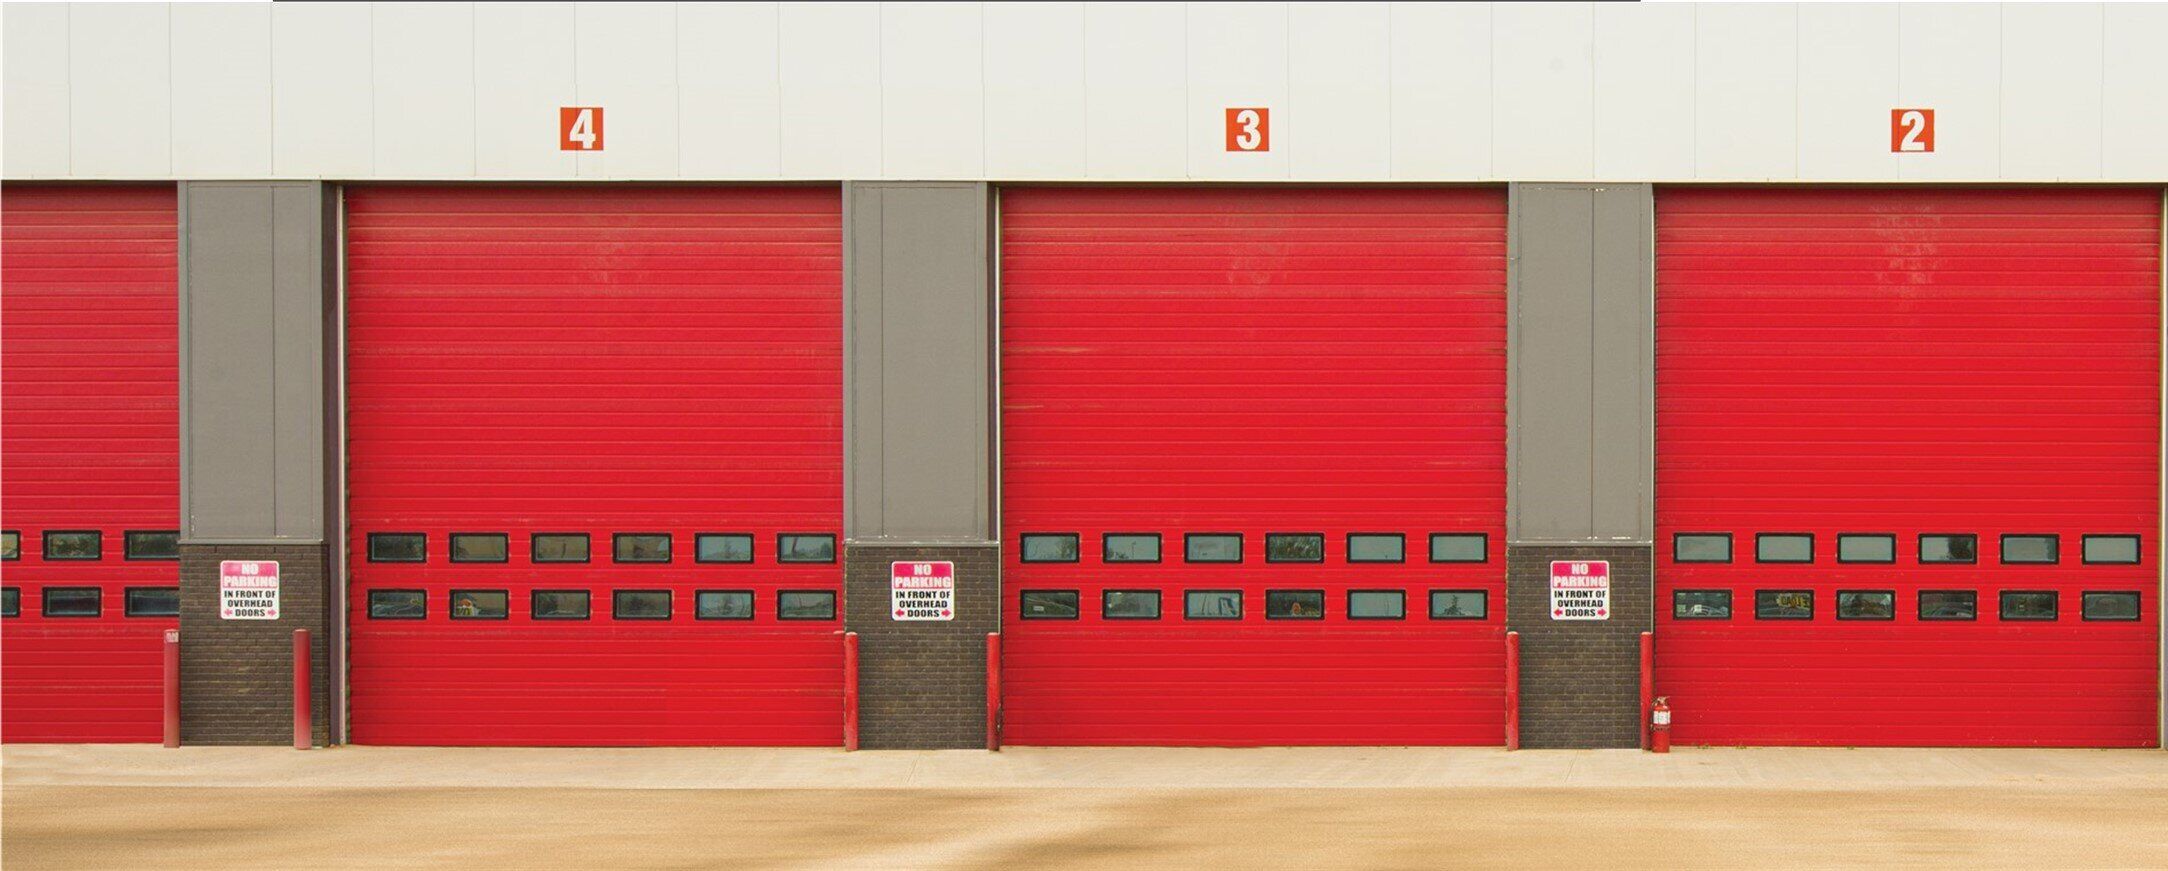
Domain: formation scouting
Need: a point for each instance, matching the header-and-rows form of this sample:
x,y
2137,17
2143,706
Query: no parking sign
x,y
1581,590
922,590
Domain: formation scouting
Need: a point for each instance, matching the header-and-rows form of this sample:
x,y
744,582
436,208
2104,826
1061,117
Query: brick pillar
x,y
1580,679
921,683
237,675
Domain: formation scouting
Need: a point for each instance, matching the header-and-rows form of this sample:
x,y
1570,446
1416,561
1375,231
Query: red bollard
x,y
850,691
1513,691
993,691
173,687
302,737
1648,682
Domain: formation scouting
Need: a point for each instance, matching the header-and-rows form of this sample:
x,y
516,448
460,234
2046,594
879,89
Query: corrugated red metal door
x,y
1956,393
89,353
1311,364
540,371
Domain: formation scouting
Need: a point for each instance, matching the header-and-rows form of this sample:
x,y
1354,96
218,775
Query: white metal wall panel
x,y
1950,60
1340,87
1542,97
34,70
1035,90
1237,57
831,65
627,63
119,109
423,72
1746,91
730,91
1441,100
222,89
1844,109
522,71
2133,66
323,116
933,100
1133,117
1644,93
2051,85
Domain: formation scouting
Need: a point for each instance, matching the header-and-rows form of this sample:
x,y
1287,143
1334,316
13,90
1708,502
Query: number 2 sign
x,y
579,128
1249,129
1912,131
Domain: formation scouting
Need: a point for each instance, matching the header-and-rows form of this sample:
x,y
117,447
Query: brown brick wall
x,y
921,684
1580,679
237,675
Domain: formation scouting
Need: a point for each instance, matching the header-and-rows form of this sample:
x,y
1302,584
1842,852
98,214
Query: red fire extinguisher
x,y
1660,726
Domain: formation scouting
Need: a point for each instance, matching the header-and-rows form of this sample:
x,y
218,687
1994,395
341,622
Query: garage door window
x,y
153,602
2118,605
1866,547
805,605
398,547
1295,547
1377,605
1701,547
641,547
1376,547
74,544
1050,547
560,604
11,602
1212,547
11,545
2111,549
1783,547
1961,548
2028,605
723,547
1212,605
156,544
1459,605
480,605
805,547
1294,604
72,602
1048,605
1701,604
2031,549
1129,604
1459,547
640,605
1866,604
723,605
1783,604
480,547
398,605
1130,547
1949,605
559,547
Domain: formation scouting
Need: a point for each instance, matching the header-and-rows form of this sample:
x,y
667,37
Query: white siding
x,y
523,61
627,64
1339,122
1441,90
1644,92
1035,90
730,91
2134,126
34,69
1543,91
2051,90
222,90
1844,106
322,103
933,103
120,111
1950,60
831,68
1134,56
424,74
1746,91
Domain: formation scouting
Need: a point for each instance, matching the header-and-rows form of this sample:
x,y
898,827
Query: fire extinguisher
x,y
1660,726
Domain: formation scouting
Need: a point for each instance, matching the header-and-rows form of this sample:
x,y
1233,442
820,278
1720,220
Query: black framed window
x,y
1949,547
480,605
1129,604
805,605
640,547
398,605
73,544
1866,547
1459,605
72,602
1294,547
2028,605
1212,547
11,602
1049,547
639,604
805,547
1212,605
1700,604
480,547
2029,549
558,547
398,547
1129,547
152,544
1783,604
560,604
723,547
1949,605
1460,547
152,602
1377,605
1047,604
2110,550
723,605
2120,605
1377,547
1701,547
1866,604
1294,604
1783,547
11,545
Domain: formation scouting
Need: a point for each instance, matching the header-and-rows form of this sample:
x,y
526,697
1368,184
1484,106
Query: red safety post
x,y
993,691
1648,682
173,688
850,691
302,737
1513,691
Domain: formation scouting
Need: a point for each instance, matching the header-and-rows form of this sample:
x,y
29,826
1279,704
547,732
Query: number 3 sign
x,y
579,128
1912,131
1249,129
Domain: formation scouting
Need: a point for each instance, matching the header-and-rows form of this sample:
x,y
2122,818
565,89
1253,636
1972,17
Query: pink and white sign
x,y
248,590
1580,590
922,590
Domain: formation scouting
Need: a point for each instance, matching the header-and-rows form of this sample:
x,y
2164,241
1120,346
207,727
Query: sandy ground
x,y
88,807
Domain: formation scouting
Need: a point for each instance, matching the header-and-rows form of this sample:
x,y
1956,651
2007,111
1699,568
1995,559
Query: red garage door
x,y
1253,466
90,459
595,458
1908,466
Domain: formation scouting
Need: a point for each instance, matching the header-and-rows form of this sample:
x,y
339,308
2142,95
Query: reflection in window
x,y
1294,547
806,605
1376,547
560,604
153,602
1701,547
1048,605
72,602
1783,604
1294,604
480,547
1949,548
1050,547
11,545
1866,548
2030,549
1212,604
480,604
2119,605
72,545
723,605
1129,604
640,605
805,547
398,605
723,547
641,547
153,544
1949,605
559,547
1130,547
1866,604
2028,605
2111,549
1459,605
1701,604
1783,547
1459,547
11,602
1377,605
398,547
1212,547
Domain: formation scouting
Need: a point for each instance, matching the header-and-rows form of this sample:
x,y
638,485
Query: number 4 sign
x,y
579,128
1912,131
